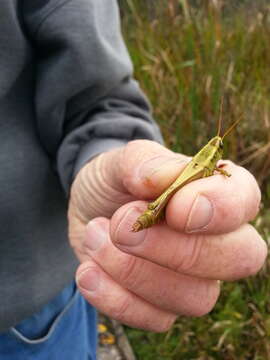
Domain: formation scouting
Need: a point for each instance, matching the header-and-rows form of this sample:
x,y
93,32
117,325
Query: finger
x,y
216,204
229,256
162,287
113,300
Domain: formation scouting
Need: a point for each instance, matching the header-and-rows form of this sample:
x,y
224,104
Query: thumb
x,y
142,169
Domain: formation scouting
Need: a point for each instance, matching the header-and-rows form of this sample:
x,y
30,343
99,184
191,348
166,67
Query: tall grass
x,y
187,55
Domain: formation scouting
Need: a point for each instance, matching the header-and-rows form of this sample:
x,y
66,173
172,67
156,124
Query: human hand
x,y
147,279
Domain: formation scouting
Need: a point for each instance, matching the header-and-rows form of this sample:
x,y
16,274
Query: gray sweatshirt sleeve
x,y
86,99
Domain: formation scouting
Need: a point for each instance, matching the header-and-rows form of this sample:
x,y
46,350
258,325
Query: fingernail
x,y
89,279
124,235
96,235
200,214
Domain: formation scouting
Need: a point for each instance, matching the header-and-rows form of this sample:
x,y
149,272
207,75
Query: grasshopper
x,y
203,164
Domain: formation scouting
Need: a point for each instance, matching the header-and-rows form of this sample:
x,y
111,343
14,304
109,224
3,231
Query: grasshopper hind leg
x,y
147,219
155,211
144,221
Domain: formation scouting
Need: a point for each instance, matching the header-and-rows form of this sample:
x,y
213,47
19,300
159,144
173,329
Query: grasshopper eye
x,y
221,145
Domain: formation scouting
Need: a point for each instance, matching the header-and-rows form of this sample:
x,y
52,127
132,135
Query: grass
x,y
187,55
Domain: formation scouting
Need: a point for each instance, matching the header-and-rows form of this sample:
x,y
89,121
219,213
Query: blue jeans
x,y
64,329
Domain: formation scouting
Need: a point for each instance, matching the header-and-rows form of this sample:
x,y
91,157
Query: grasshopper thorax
x,y
215,149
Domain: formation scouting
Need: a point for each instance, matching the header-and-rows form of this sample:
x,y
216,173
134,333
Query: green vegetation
x,y
187,54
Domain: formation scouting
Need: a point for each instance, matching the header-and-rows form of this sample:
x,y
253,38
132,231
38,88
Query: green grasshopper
x,y
203,164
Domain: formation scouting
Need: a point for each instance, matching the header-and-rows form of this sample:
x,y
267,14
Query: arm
x,y
86,99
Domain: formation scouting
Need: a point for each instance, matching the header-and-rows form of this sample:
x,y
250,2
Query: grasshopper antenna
x,y
232,126
220,115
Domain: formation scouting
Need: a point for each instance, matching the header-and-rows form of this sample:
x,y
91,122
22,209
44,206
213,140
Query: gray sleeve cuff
x,y
93,148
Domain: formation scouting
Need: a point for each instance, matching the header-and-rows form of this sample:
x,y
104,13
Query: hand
x,y
147,279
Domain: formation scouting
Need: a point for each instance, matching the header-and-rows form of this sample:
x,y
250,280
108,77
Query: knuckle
x,y
134,154
119,308
126,164
133,146
131,268
187,261
131,151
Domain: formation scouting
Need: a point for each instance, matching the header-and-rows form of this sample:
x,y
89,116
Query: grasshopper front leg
x,y
210,172
222,171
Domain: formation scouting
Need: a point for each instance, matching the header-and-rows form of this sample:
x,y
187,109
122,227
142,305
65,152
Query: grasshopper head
x,y
217,143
